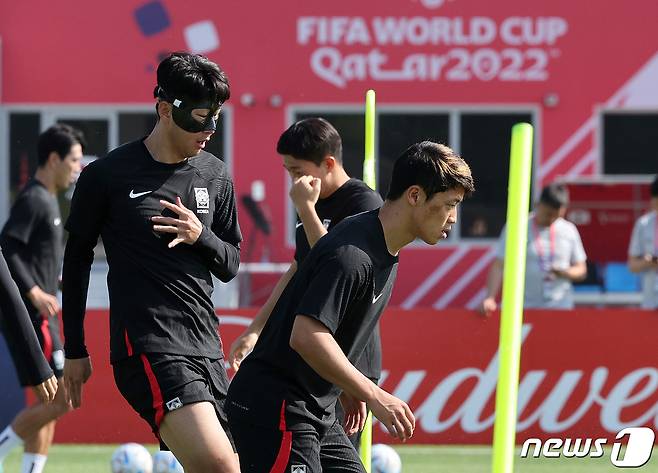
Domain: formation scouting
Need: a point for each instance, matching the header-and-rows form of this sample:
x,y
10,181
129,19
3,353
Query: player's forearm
x,y
78,258
17,326
223,258
20,272
263,314
317,346
313,227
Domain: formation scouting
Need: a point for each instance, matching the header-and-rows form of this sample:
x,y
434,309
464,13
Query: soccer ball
x,y
131,458
166,462
385,459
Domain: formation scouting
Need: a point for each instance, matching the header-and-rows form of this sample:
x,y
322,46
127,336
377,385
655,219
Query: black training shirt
x,y
159,296
345,282
32,240
353,197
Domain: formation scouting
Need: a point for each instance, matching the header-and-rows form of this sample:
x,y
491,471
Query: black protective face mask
x,y
182,115
181,112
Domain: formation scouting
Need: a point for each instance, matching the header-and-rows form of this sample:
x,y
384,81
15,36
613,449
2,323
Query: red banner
x,y
584,374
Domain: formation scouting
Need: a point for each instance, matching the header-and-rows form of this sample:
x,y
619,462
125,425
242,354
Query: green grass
x,y
415,459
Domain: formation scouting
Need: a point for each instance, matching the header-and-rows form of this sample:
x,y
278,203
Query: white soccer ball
x,y
385,459
166,462
131,458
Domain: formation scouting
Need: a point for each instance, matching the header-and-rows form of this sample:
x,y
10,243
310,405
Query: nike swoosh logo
x,y
376,298
134,195
299,225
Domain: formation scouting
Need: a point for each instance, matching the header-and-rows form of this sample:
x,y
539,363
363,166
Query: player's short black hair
x,y
194,77
311,139
654,187
432,166
58,138
555,196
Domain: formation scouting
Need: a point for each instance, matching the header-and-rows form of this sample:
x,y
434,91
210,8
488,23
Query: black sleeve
x,y
337,282
301,244
17,326
14,251
88,210
220,244
23,218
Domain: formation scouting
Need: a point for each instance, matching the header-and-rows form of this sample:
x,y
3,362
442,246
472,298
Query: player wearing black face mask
x,y
166,211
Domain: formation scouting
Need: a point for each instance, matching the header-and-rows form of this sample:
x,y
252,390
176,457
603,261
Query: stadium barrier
x,y
584,374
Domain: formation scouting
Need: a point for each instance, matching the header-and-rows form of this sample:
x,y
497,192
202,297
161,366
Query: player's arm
x,y
304,193
88,212
247,340
17,326
576,272
314,342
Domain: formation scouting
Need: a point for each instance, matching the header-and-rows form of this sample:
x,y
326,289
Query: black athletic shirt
x,y
353,197
345,282
16,325
32,240
159,296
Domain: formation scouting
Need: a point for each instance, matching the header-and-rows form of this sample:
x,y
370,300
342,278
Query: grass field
x,y
415,459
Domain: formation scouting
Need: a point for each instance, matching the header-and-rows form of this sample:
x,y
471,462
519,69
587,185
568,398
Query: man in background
x,y
643,251
555,257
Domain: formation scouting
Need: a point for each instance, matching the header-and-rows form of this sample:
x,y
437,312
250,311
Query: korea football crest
x,y
298,469
202,200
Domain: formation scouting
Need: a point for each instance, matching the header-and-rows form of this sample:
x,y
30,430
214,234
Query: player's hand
x,y
187,226
76,373
46,304
46,391
241,347
558,273
488,306
394,413
356,413
305,191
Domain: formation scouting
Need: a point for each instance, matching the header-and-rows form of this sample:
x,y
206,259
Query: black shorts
x,y
266,450
157,383
47,330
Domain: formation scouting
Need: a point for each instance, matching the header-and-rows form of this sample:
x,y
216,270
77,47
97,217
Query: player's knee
x,y
60,407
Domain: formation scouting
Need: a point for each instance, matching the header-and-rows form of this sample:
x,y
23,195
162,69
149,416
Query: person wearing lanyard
x,y
555,257
643,251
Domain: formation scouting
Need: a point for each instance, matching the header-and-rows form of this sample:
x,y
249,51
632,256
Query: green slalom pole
x,y
370,178
511,320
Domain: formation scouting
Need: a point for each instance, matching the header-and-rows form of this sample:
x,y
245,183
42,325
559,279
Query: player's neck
x,y
161,147
394,223
46,179
338,178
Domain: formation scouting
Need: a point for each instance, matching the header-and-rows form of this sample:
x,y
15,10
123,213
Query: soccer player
x,y
32,241
323,195
281,402
166,212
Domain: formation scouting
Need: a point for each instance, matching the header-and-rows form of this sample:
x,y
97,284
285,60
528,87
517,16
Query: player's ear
x,y
414,195
53,159
329,162
164,109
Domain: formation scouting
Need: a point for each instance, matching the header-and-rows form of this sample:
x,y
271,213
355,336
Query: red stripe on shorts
x,y
47,339
158,405
129,346
286,444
